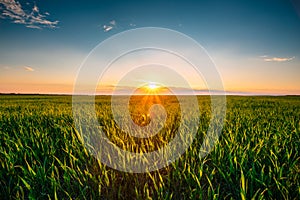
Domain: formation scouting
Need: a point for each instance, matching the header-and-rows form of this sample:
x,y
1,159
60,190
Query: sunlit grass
x,y
257,156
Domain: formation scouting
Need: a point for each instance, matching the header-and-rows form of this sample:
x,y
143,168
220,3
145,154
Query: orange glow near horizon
x,y
153,88
255,77
47,88
17,82
150,88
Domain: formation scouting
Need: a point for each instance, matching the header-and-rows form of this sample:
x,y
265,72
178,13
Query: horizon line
x,y
225,94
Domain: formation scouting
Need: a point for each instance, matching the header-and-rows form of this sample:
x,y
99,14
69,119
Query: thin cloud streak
x,y
33,26
276,59
108,27
13,10
29,69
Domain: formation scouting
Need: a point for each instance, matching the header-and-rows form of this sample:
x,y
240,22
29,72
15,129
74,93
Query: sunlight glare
x,y
152,86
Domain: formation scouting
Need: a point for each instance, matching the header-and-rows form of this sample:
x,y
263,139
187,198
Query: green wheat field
x,y
257,156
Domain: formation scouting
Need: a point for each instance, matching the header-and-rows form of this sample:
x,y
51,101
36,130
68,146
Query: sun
x,y
152,86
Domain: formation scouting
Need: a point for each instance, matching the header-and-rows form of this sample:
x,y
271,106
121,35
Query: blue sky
x,y
255,44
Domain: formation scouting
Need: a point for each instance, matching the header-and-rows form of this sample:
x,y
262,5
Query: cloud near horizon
x,y
11,9
276,59
29,69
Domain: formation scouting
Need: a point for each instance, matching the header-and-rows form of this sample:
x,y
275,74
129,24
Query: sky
x,y
255,44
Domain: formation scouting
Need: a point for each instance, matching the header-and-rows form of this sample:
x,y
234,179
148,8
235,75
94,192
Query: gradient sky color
x,y
255,44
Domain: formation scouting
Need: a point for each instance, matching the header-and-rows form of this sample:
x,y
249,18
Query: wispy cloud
x,y
29,69
107,28
12,9
132,25
111,25
276,59
264,56
33,26
113,22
